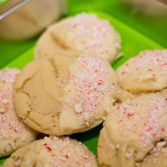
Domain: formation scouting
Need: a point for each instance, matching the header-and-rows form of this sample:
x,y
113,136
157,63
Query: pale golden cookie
x,y
30,19
134,133
53,152
83,33
145,73
13,133
64,94
148,7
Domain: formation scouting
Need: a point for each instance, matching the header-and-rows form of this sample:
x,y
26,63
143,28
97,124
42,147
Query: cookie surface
x,y
51,152
65,95
14,27
134,133
145,73
13,133
83,33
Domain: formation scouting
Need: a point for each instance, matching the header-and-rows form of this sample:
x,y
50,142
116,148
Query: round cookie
x,y
64,94
53,152
149,7
144,73
13,133
83,33
135,133
30,19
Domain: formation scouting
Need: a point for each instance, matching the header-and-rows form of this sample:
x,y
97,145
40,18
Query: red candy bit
x,y
154,75
162,129
67,156
129,114
149,129
14,129
47,147
150,70
118,107
100,82
122,73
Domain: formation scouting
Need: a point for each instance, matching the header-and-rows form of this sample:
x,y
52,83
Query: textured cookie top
x,y
51,152
10,125
7,78
142,118
98,31
93,80
83,33
8,75
12,129
67,152
145,72
64,95
136,130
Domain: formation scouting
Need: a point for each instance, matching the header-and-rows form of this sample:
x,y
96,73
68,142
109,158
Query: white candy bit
x,y
2,110
87,124
17,162
128,155
161,144
78,108
5,101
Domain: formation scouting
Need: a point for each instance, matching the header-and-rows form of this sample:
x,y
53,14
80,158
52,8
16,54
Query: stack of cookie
x,y
70,87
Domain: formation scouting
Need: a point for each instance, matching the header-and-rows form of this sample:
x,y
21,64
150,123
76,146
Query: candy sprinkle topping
x,y
97,30
148,60
8,75
91,82
146,125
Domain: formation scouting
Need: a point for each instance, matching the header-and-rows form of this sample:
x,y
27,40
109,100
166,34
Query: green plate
x,y
3,2
132,43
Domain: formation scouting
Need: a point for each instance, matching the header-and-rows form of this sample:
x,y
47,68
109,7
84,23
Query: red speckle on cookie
x,y
8,75
147,59
65,151
11,127
91,82
96,30
47,146
152,127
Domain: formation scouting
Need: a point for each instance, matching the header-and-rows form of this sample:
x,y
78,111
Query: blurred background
x,y
20,30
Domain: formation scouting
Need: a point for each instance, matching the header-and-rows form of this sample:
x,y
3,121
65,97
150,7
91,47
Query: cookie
x,y
145,73
135,133
53,152
83,33
65,94
149,7
30,19
13,133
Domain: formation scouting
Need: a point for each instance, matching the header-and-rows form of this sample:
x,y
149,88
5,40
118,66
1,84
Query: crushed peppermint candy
x,y
96,31
91,82
8,75
63,150
152,127
11,127
146,59
129,120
